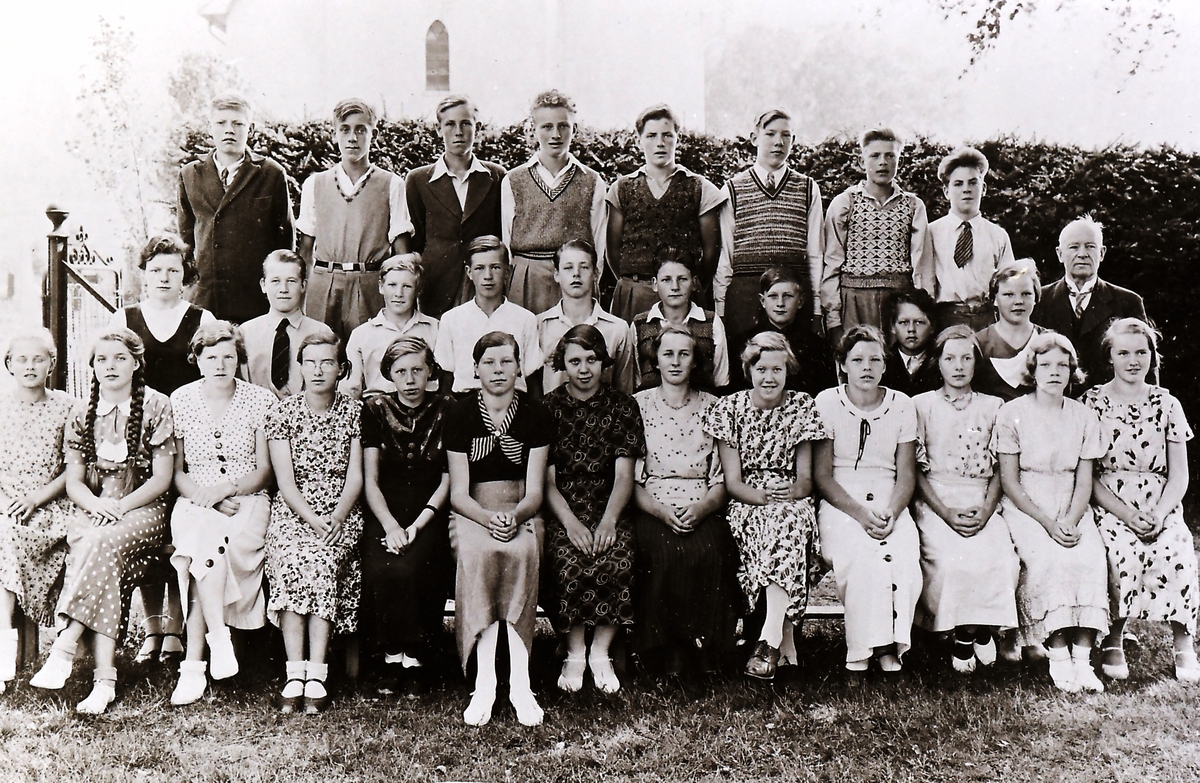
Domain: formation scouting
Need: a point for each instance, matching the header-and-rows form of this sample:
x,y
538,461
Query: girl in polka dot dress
x,y
119,457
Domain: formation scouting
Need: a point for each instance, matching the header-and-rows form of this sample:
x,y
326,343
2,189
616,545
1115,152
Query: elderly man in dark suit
x,y
451,203
1081,305
234,209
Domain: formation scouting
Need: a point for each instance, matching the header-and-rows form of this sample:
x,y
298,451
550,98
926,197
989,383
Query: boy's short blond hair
x,y
963,157
454,101
769,116
354,106
552,99
230,101
878,134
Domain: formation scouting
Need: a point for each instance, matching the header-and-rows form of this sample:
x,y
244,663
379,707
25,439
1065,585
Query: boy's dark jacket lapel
x,y
247,171
478,185
443,189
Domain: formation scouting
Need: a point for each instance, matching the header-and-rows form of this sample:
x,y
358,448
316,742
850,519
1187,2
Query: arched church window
x,y
437,58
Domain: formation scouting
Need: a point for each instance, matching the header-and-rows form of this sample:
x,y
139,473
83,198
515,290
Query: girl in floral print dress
x,y
316,522
1140,483
33,511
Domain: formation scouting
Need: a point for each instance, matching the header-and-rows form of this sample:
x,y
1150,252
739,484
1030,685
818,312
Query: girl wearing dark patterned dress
x,y
34,514
497,441
1138,495
407,563
119,457
687,561
166,322
312,541
589,484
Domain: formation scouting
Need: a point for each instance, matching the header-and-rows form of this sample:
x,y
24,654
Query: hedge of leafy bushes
x,y
1148,199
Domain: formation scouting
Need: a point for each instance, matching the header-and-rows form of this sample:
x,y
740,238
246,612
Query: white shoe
x,y
56,670
192,683
1187,668
963,665
103,694
1085,675
986,653
1062,670
890,662
603,675
479,711
571,679
529,713
223,662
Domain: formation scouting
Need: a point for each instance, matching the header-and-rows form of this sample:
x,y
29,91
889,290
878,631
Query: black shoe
x,y
390,683
764,662
415,682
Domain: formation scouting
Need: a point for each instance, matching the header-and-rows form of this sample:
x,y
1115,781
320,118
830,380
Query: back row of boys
x,y
234,209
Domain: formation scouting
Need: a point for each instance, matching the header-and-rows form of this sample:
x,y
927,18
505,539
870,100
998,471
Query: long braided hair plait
x,y
88,436
137,467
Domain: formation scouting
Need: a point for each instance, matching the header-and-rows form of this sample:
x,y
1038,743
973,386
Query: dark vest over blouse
x,y
650,223
167,365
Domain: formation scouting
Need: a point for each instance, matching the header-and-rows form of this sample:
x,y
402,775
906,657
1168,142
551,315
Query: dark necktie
x,y
770,182
281,356
1080,305
225,179
964,249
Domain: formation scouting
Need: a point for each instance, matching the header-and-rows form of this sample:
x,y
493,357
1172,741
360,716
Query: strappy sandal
x,y
167,656
1114,671
151,648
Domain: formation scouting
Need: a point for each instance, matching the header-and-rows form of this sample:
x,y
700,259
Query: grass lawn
x,y
816,724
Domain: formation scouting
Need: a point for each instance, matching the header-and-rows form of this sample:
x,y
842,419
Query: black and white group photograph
x,y
599,390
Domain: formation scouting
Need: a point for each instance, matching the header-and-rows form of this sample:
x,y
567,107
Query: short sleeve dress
x,y
409,589
1060,587
590,436
687,591
778,542
308,576
968,581
1153,580
209,544
496,581
106,561
33,552
879,582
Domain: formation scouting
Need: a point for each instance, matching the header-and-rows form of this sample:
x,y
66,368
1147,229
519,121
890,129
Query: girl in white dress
x,y
1046,444
967,557
866,470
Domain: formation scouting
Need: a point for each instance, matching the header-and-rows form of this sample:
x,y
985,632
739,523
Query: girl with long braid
x,y
119,456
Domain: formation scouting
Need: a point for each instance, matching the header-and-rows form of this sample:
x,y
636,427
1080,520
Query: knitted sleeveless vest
x,y
167,365
543,220
877,239
353,228
770,230
650,223
647,330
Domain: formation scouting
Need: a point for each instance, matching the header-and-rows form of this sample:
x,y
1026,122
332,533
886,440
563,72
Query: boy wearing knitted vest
x,y
773,219
551,200
964,248
874,239
662,204
352,217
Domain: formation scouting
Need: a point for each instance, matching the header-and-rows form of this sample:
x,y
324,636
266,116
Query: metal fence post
x,y
54,294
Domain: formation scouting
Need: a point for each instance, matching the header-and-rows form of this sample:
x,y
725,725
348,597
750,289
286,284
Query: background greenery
x,y
1147,199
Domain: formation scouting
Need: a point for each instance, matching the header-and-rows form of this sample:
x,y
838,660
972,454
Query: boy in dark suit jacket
x,y
451,203
1081,305
234,209
910,366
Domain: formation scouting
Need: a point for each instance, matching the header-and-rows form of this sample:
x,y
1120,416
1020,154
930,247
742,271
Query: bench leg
x,y
27,638
352,651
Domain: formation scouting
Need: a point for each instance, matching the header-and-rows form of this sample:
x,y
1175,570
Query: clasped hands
x,y
219,497
592,543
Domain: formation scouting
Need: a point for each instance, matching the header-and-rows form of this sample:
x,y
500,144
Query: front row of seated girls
x,y
669,514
